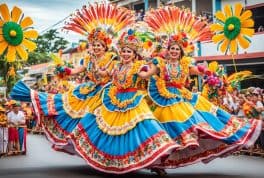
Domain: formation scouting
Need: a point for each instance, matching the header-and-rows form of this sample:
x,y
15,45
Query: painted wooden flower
x,y
233,28
16,33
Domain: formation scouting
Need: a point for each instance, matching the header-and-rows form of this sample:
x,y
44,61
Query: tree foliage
x,y
49,42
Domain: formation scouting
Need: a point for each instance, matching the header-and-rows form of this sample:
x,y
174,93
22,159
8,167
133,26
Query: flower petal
x,y
247,31
224,45
26,22
29,45
245,15
238,9
220,16
22,52
15,14
1,23
247,23
219,37
233,47
31,34
11,53
217,27
4,12
228,11
244,43
3,46
1,38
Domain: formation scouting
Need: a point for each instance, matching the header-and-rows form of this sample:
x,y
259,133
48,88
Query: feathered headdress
x,y
180,26
100,21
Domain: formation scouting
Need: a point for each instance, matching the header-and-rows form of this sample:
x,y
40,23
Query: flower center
x,y
232,27
12,33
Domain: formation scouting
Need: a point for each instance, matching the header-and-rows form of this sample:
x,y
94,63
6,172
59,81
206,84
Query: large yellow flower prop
x,y
15,33
233,27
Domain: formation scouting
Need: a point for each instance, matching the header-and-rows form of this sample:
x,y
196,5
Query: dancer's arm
x,y
151,71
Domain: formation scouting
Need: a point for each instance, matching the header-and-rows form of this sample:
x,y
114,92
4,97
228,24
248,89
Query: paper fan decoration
x,y
179,25
233,28
108,17
15,33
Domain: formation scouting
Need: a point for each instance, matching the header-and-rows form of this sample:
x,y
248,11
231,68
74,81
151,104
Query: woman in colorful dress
x,y
65,110
123,135
203,130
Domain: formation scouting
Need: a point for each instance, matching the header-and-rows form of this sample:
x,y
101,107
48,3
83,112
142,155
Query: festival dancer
x,y
203,130
65,110
123,135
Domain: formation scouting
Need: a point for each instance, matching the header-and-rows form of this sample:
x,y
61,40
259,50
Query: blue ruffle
x,y
121,96
76,91
217,122
160,100
21,92
126,143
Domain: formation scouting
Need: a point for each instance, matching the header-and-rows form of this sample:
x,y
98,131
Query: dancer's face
x,y
98,49
127,55
174,52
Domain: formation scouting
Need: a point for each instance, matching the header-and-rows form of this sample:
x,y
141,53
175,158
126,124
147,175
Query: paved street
x,y
42,161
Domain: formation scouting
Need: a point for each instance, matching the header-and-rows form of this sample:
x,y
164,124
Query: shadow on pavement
x,y
87,172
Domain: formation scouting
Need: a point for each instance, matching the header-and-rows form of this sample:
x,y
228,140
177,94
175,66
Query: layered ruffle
x,y
136,148
118,100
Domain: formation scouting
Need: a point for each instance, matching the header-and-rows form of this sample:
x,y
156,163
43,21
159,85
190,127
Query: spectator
x,y
260,29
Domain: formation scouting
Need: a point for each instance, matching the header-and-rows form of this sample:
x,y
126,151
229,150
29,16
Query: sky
x,y
46,13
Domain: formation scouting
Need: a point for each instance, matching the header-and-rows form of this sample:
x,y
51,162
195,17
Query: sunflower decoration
x,y
233,28
16,33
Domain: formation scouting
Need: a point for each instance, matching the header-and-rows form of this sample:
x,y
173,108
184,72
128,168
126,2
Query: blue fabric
x,y
76,91
121,96
20,92
119,144
160,100
218,123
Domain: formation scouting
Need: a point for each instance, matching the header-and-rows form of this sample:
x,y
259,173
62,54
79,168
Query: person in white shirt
x,y
15,118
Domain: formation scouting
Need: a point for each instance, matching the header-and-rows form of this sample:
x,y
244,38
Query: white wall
x,y
249,2
210,49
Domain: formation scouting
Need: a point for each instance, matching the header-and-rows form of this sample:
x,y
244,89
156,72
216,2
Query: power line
x,y
57,23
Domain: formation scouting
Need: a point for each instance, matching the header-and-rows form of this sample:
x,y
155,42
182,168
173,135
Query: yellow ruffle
x,y
117,123
178,112
204,105
77,108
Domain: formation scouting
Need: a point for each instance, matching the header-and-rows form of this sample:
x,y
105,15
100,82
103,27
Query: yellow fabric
x,y
105,62
204,105
117,123
3,46
78,108
179,112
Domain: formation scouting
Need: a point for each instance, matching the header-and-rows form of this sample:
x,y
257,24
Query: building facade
x,y
250,59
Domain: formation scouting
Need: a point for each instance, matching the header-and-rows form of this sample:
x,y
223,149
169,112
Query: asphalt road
x,y
43,162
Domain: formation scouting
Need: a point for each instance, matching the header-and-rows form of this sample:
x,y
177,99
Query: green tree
x,y
51,42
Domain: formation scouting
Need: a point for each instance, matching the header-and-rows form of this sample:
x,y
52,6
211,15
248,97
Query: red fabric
x,y
121,90
13,134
